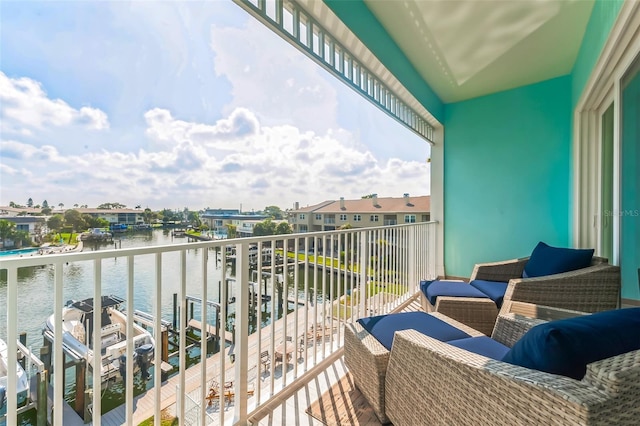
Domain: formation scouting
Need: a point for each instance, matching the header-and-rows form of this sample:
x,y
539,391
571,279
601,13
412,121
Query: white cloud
x,y
263,166
24,105
162,127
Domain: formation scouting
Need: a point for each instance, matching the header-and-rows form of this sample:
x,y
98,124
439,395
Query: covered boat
x,y
78,339
23,382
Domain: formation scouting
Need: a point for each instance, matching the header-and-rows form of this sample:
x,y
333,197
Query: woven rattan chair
x,y
367,359
430,382
592,289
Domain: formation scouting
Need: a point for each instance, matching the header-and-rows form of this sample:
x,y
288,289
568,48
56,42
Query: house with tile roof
x,y
361,213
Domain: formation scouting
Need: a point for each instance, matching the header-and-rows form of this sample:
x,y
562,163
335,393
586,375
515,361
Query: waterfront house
x,y
116,216
531,108
26,219
361,213
218,219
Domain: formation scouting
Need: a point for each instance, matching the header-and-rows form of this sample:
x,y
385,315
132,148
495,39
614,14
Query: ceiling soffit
x,y
465,49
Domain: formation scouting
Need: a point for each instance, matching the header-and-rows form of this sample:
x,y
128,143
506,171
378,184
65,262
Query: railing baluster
x,y
224,297
157,335
241,331
130,348
12,345
58,367
182,359
204,334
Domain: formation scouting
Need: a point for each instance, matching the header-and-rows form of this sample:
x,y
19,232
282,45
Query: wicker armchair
x,y
367,361
592,289
430,382
367,358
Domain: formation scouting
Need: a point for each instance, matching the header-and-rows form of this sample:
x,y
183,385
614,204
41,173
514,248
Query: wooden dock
x,y
195,324
144,404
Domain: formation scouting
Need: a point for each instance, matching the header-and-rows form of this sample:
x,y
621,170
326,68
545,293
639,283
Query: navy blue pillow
x,y
566,346
383,327
547,260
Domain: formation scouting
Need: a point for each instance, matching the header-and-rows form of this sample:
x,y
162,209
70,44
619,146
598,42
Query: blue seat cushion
x,y
383,327
494,289
566,346
482,345
451,288
547,260
424,284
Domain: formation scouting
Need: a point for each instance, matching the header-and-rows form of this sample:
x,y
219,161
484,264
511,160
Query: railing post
x,y
412,258
241,333
364,266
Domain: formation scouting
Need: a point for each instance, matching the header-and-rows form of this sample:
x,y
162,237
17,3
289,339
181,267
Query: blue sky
x,y
182,104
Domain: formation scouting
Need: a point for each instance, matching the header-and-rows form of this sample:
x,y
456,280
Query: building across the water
x,y
218,219
26,219
361,213
116,216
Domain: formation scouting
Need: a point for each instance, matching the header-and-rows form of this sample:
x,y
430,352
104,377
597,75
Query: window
x,y
343,217
425,217
374,218
409,218
357,218
318,216
301,216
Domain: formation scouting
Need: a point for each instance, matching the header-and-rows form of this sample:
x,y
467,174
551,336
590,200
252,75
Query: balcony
x,y
359,272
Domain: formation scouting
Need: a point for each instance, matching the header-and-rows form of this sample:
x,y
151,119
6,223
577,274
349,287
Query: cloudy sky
x,y
182,104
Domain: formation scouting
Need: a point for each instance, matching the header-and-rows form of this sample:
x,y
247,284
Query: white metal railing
x,y
287,312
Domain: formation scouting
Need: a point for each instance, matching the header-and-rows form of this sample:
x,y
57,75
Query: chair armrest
x,y
592,289
516,318
430,382
499,271
511,327
616,375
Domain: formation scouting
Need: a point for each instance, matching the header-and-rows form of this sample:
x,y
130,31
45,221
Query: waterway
x,y
35,291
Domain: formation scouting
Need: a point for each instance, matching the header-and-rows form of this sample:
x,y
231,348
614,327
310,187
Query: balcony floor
x,y
292,410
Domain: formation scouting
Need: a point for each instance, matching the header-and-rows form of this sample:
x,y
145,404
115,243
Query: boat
x,y
22,389
96,234
78,341
179,232
118,227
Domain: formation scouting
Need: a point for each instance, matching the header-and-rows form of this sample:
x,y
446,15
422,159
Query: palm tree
x,y
6,229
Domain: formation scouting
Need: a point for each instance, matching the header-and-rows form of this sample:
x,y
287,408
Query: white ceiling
x,y
469,48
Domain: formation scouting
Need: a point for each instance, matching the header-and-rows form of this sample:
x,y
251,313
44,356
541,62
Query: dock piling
x,y
41,408
80,404
45,356
165,345
23,340
175,310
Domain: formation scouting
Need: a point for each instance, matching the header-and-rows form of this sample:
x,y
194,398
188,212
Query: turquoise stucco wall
x,y
356,15
506,174
508,156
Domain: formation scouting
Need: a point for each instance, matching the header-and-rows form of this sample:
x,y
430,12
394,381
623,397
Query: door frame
x,y
602,88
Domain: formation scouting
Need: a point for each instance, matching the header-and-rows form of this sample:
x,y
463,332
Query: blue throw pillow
x,y
547,260
565,347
